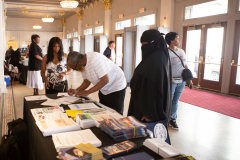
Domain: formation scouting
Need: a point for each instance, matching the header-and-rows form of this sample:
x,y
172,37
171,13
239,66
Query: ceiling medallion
x,y
69,4
48,19
37,26
83,1
61,12
24,10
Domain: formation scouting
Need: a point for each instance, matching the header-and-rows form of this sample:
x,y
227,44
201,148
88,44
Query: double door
x,y
204,46
235,65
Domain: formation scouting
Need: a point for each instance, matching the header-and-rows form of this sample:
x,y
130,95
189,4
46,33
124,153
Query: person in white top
x,y
106,77
55,62
110,52
178,84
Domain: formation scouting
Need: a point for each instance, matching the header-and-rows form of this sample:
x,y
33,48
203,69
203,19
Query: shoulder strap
x,y
177,56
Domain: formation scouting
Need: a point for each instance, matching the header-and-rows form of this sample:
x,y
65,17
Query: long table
x,y
42,148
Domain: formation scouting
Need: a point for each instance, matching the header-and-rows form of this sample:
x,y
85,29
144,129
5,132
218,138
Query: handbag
x,y
59,86
186,74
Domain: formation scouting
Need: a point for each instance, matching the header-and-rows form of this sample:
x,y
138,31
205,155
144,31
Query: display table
x,y
42,148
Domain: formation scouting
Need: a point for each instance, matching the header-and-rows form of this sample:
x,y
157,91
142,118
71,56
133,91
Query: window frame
x,y
197,3
122,21
155,21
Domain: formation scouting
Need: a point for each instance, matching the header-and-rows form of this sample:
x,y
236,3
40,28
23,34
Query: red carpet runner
x,y
229,106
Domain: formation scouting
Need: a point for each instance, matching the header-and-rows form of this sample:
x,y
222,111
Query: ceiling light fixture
x,y
24,10
37,26
48,19
83,1
69,4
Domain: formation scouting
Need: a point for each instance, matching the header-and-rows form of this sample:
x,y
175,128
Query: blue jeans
x,y
177,89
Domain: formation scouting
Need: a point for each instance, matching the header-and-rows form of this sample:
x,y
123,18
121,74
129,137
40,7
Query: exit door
x,y
204,45
235,65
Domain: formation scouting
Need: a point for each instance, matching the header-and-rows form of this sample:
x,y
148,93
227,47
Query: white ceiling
x,y
39,8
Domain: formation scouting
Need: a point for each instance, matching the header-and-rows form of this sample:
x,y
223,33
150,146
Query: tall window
x,y
88,31
206,9
122,24
98,30
69,35
75,34
145,20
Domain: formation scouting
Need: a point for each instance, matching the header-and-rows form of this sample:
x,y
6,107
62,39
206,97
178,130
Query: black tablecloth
x,y
23,76
42,148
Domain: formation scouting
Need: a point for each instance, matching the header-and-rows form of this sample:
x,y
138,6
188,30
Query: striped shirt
x,y
98,66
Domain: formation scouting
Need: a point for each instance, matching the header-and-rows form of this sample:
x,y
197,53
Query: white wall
x,y
26,24
72,22
24,37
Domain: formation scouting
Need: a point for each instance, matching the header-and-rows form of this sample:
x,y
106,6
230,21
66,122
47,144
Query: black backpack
x,y
15,142
9,149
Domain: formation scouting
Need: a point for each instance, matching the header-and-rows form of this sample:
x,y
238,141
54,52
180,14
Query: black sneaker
x,y
174,125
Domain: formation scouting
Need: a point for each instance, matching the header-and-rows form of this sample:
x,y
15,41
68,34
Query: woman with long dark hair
x,y
55,62
34,79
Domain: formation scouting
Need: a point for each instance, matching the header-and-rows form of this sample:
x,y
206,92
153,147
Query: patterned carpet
x,y
223,104
8,113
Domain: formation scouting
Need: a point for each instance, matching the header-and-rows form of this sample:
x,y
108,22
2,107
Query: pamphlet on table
x,y
123,128
160,147
82,152
36,98
136,156
49,127
85,120
119,149
83,106
67,140
48,113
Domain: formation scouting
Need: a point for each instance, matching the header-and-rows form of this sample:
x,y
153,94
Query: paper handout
x,y
64,141
83,106
36,98
56,126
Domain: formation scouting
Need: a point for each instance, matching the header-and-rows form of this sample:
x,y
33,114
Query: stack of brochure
x,y
48,113
85,120
162,148
119,149
83,106
72,113
82,152
97,111
123,128
48,127
99,118
65,141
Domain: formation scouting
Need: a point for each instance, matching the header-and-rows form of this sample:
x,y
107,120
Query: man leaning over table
x,y
106,77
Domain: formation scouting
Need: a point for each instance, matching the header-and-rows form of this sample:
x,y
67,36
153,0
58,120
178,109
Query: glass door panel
x,y
235,65
193,50
213,54
119,50
238,68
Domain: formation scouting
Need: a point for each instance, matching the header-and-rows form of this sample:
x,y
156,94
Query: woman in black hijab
x,y
151,81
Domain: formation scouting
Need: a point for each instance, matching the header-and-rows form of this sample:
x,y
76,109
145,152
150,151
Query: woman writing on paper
x,y
55,62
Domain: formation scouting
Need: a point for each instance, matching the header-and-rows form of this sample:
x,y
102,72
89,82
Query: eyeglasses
x,y
75,68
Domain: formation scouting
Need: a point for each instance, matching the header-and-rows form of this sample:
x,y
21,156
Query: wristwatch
x,y
65,73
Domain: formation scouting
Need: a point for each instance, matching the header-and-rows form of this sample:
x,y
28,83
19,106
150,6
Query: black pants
x,y
113,100
53,91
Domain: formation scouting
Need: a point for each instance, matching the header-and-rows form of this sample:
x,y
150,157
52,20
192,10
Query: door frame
x,y
200,81
120,35
233,88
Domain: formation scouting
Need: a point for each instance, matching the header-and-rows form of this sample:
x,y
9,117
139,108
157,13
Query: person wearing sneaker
x,y
178,84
